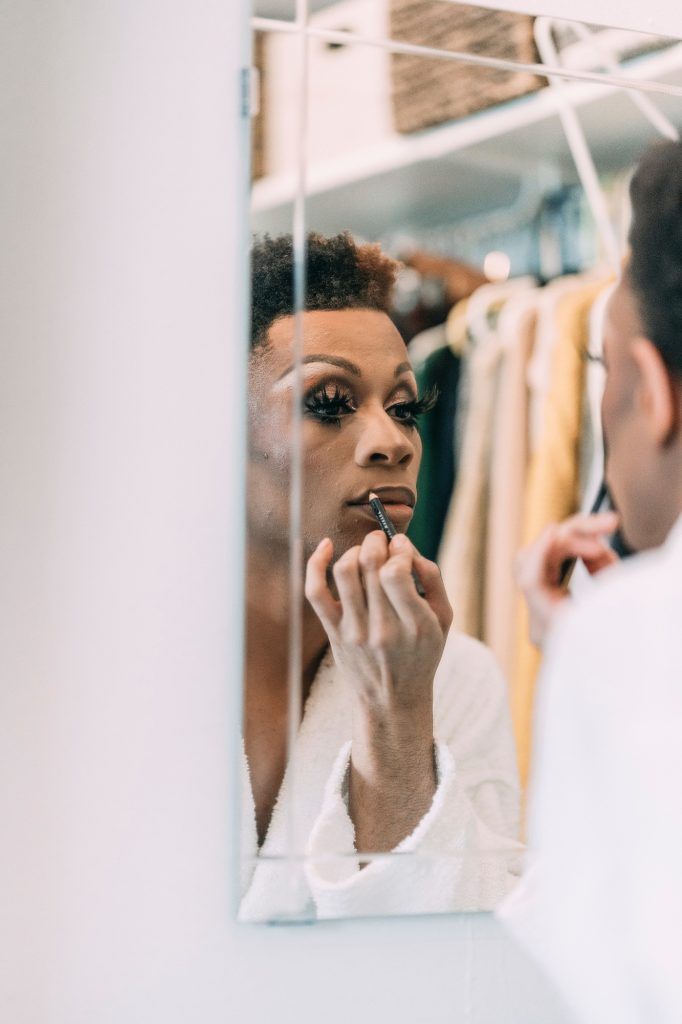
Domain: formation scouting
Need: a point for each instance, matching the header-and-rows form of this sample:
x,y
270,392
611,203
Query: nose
x,y
382,441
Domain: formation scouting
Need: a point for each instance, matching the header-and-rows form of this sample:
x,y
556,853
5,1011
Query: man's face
x,y
630,457
357,432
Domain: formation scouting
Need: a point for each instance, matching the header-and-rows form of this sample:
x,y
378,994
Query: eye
x,y
409,412
327,403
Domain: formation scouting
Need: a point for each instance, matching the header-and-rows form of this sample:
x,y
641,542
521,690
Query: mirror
x,y
452,271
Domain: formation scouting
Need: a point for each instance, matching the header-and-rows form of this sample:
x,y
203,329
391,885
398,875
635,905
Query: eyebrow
x,y
343,364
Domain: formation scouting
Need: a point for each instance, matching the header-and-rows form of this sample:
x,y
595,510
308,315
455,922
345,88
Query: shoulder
x,y
469,663
470,691
624,601
622,635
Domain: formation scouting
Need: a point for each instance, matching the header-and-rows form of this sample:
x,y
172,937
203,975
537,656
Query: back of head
x,y
655,268
339,275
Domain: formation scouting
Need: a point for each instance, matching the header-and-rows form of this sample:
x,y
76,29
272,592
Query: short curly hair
x,y
340,274
655,267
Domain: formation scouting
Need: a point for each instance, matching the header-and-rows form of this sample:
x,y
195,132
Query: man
x,y
602,906
405,738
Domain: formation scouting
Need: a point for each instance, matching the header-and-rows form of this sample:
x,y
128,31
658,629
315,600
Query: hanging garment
x,y
462,551
540,365
437,472
592,436
463,546
468,836
456,327
601,910
592,440
552,491
509,464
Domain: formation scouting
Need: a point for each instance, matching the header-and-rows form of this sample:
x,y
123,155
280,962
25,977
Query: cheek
x,y
326,450
614,411
623,451
418,449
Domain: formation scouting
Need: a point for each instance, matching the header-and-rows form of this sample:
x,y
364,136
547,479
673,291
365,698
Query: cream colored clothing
x,y
601,909
592,442
508,468
546,336
462,551
466,844
456,327
553,481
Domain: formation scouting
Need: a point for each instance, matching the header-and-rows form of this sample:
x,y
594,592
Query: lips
x,y
388,496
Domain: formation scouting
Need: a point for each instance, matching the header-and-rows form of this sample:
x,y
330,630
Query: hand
x,y
386,639
538,567
387,643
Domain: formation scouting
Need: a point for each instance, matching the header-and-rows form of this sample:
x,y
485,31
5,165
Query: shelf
x,y
466,167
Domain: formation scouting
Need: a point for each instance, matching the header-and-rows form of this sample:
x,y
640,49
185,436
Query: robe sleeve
x,y
464,854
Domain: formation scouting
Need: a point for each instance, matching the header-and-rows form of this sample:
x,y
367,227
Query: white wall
x,y
124,252
661,16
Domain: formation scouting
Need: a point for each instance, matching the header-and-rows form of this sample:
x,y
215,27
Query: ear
x,y
656,391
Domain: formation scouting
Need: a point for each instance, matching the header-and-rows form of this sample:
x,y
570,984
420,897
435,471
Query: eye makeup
x,y
328,401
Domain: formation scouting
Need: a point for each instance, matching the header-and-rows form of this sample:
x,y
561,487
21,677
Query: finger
x,y
430,578
607,557
542,560
599,524
327,608
352,596
528,561
541,564
539,567
382,616
569,549
398,586
373,551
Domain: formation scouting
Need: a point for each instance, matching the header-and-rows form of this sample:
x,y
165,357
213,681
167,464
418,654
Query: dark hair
x,y
655,268
339,275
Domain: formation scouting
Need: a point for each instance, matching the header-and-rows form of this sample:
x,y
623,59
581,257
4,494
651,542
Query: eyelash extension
x,y
416,408
328,408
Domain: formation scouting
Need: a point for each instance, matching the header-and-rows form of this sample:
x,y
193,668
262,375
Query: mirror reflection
x,y
445,409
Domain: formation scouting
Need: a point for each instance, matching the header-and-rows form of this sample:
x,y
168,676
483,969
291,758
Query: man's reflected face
x,y
358,430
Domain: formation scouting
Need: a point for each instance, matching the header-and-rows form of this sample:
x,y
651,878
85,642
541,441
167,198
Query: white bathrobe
x,y
464,853
601,908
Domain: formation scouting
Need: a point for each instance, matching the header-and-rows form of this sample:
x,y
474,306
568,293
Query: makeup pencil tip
x,y
372,496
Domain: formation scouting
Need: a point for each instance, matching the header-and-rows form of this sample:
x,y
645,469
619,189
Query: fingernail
x,y
399,541
323,543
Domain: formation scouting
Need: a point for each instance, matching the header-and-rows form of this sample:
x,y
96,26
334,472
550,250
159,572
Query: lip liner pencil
x,y
390,531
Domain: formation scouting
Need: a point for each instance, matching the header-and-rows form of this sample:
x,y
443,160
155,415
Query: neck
x,y
669,510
